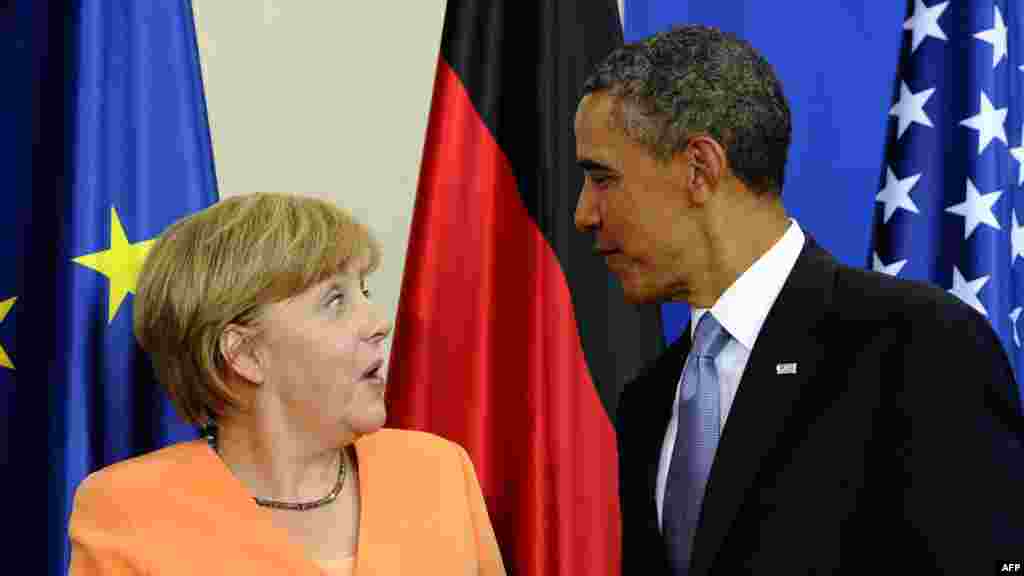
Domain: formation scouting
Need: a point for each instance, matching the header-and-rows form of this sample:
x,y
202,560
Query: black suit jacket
x,y
897,444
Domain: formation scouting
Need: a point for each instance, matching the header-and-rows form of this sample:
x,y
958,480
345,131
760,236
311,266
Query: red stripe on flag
x,y
486,353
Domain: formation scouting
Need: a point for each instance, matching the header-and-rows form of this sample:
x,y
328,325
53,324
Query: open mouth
x,y
373,372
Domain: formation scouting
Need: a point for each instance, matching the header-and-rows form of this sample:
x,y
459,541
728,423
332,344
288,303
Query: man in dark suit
x,y
828,419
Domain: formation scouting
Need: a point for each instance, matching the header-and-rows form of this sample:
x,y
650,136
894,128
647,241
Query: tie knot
x,y
710,337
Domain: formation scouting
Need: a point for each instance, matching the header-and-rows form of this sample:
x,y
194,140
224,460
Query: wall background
x,y
331,99
328,99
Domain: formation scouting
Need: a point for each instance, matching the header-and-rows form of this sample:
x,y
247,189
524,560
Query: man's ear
x,y
236,347
705,168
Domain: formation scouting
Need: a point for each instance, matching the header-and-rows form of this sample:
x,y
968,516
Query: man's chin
x,y
637,287
638,295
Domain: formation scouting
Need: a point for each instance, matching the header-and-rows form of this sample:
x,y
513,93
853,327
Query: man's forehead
x,y
595,106
595,132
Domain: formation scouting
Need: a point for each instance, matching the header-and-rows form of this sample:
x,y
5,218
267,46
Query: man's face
x,y
636,205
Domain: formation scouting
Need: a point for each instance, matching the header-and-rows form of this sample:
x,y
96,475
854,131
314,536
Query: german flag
x,y
512,339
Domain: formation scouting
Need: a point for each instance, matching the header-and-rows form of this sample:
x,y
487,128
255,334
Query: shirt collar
x,y
743,307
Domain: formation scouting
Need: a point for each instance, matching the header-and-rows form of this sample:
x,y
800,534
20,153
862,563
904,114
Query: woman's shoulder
x,y
396,439
408,445
415,470
142,475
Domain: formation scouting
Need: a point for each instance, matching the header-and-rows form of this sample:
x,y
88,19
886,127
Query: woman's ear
x,y
236,347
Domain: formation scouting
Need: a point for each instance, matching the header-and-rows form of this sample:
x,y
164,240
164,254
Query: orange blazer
x,y
179,510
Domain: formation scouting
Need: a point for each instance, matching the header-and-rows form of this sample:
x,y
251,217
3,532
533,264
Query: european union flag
x,y
946,207
18,62
140,158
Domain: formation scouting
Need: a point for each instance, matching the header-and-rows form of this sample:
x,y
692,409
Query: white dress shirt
x,y
741,310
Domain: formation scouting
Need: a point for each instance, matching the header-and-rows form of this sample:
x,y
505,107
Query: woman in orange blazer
x,y
259,325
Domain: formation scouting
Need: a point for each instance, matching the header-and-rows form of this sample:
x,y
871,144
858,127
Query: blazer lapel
x,y
785,358
254,544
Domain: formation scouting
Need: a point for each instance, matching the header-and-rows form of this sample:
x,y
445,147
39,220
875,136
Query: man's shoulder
x,y
871,310
868,295
874,295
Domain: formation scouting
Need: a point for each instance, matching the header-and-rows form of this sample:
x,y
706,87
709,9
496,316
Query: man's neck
x,y
737,242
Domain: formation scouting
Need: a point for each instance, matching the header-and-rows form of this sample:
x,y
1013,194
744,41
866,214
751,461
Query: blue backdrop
x,y
837,60
110,145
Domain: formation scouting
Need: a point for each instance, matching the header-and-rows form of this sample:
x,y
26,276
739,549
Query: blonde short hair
x,y
223,265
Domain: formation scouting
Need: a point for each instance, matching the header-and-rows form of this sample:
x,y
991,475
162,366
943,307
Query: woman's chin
x,y
370,420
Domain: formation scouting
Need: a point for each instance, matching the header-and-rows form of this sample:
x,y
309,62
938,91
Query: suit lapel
x,y
767,396
645,408
662,383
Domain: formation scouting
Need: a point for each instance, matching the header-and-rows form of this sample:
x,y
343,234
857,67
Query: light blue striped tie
x,y
696,440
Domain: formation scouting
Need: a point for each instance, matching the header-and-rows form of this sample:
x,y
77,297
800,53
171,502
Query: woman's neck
x,y
278,463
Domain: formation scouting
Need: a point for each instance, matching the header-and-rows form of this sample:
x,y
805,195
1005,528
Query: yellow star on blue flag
x,y
139,147
120,263
5,307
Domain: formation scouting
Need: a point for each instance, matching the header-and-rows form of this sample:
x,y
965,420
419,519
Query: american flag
x,y
946,209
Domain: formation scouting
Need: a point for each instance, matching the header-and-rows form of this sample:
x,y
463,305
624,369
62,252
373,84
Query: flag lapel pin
x,y
785,368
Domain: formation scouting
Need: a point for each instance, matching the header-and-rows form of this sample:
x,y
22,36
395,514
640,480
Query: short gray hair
x,y
697,79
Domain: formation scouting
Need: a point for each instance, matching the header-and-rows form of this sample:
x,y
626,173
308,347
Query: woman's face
x,y
321,355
